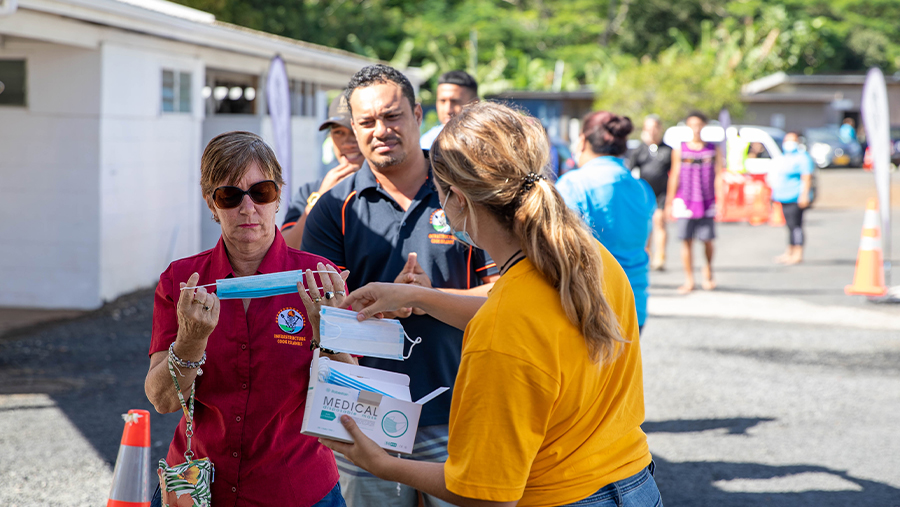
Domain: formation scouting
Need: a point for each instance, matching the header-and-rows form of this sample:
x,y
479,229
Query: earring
x,y
215,218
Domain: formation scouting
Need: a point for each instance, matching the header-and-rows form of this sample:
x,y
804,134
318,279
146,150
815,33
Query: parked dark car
x,y
827,148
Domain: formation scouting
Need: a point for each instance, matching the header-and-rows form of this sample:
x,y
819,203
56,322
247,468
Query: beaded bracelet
x,y
187,364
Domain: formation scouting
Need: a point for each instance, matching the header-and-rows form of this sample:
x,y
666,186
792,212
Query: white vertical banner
x,y
875,114
725,122
278,98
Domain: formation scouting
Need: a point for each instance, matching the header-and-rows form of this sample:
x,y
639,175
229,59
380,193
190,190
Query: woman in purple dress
x,y
691,199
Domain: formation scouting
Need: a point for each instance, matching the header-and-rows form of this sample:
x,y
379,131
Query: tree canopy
x,y
568,44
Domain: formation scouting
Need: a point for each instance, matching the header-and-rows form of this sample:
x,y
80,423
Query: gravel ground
x,y
63,389
757,413
793,399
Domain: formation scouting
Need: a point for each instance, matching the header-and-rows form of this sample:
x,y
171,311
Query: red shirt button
x,y
243,386
234,454
233,489
243,346
238,418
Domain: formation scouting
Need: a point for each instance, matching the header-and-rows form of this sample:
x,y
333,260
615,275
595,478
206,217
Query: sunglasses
x,y
228,197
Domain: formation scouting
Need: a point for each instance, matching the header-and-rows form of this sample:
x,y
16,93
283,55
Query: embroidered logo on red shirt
x,y
290,320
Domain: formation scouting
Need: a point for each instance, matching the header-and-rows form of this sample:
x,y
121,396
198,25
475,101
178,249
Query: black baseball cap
x,y
338,113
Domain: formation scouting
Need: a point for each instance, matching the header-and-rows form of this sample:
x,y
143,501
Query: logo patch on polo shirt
x,y
290,320
439,221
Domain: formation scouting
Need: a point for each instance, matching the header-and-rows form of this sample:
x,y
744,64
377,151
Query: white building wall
x,y
149,168
49,153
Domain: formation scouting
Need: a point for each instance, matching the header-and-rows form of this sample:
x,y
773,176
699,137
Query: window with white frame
x,y
12,83
176,91
303,98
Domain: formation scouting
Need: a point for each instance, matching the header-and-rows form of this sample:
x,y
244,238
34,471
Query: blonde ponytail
x,y
491,152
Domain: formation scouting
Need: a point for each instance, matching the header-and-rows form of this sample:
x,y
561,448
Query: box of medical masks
x,y
377,400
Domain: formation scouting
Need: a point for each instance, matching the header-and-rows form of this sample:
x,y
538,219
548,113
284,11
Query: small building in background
x,y
801,102
106,108
560,112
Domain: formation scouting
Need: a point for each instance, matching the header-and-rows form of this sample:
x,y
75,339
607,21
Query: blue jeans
x,y
332,499
639,490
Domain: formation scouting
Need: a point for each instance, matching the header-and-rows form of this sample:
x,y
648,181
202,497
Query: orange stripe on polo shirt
x,y
469,270
289,224
344,213
489,266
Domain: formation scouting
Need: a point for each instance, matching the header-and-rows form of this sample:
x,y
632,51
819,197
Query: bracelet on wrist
x,y
187,364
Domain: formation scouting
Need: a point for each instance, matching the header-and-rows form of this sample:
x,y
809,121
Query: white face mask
x,y
340,331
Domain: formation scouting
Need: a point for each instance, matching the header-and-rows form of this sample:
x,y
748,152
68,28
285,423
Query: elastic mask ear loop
x,y
414,343
330,323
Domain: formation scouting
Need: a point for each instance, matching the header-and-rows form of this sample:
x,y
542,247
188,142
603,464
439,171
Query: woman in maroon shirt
x,y
250,398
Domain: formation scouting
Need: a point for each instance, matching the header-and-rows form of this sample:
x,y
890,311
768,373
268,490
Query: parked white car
x,y
768,138
765,140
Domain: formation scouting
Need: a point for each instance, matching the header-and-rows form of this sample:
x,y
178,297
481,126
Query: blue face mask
x,y
461,236
259,286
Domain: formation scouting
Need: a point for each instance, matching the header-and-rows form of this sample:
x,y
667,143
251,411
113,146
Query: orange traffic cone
x,y
131,478
777,218
869,277
733,208
761,209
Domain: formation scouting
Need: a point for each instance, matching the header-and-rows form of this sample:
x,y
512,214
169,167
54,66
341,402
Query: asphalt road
x,y
775,389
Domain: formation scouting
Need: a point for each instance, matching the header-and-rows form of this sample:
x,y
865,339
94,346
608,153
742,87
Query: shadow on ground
x,y
93,367
735,425
704,483
736,484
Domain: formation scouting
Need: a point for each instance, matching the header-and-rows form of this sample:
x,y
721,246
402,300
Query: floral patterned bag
x,y
187,484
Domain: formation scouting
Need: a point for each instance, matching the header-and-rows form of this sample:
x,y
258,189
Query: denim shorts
x,y
639,490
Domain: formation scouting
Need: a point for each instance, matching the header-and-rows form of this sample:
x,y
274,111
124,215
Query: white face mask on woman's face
x,y
461,236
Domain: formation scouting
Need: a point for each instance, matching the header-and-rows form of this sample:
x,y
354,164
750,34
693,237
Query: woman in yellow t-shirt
x,y
549,399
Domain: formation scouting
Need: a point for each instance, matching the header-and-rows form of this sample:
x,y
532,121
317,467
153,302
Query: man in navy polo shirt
x,y
370,224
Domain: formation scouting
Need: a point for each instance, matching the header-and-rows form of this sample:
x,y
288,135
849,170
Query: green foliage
x,y
523,44
671,86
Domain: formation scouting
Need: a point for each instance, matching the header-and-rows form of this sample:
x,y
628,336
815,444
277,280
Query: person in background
x,y
653,160
385,224
346,152
691,198
847,131
791,182
548,404
455,89
617,207
254,353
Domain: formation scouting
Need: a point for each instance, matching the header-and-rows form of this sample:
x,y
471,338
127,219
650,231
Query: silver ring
x,y
317,299
340,293
329,295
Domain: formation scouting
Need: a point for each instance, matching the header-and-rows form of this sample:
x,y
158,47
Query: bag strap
x,y
188,409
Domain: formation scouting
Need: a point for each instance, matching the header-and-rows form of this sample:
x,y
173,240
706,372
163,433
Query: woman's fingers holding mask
x,y
198,310
333,285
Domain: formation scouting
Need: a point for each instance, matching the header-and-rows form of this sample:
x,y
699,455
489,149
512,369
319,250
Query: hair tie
x,y
529,180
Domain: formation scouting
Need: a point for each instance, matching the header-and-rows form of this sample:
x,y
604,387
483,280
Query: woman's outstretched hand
x,y
383,298
363,452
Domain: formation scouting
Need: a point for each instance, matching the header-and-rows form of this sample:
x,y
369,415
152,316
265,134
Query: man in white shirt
x,y
455,89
